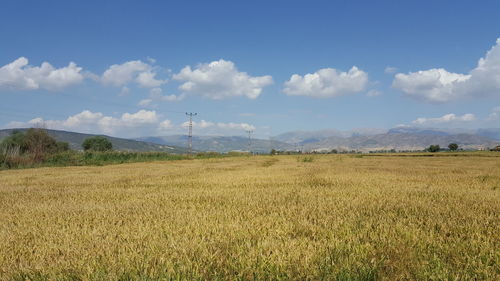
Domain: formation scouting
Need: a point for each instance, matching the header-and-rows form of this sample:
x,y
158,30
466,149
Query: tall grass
x,y
254,218
76,158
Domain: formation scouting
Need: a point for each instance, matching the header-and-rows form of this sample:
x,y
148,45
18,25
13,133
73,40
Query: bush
x,y
97,143
434,148
14,141
35,144
453,146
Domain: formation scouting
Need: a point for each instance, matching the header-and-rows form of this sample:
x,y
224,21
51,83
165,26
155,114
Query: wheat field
x,y
321,217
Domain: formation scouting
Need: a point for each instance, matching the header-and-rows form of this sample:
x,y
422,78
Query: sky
x,y
134,68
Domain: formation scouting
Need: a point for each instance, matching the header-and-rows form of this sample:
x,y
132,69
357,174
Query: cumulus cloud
x,y
439,85
138,124
87,121
165,124
221,79
18,75
448,118
327,83
143,74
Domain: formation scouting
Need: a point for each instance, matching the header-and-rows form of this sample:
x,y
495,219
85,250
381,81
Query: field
x,y
319,217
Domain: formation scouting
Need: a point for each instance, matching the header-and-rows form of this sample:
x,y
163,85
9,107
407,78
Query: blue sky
x,y
132,68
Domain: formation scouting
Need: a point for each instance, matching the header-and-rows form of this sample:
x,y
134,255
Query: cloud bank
x,y
138,124
448,118
438,85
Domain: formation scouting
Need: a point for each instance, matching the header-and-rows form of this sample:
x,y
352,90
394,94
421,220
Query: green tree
x,y
97,143
434,148
38,143
14,141
35,142
453,146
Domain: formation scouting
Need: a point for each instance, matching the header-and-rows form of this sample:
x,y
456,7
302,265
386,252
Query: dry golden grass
x,y
332,217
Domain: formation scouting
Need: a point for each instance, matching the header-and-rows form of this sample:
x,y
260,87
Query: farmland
x,y
315,217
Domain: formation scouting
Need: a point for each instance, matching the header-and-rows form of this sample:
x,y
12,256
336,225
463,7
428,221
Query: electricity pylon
x,y
190,131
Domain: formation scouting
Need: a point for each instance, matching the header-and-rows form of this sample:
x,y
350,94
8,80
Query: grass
x,y
255,218
78,158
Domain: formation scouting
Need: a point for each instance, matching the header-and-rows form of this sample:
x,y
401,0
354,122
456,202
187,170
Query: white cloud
x,y
373,93
148,80
124,91
448,118
165,124
140,117
18,75
202,124
327,83
439,85
155,95
219,128
221,79
138,124
128,124
390,69
495,114
145,102
236,126
132,71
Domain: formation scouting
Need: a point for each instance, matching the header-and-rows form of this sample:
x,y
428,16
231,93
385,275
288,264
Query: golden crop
x,y
331,217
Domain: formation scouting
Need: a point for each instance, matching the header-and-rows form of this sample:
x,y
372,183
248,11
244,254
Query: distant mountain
x,y
402,141
75,141
491,133
417,131
400,138
220,143
306,137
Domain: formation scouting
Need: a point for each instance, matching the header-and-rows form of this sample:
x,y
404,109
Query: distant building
x,y
496,148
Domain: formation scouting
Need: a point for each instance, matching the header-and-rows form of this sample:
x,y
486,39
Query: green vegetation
x,y
30,148
97,143
339,217
75,141
434,148
36,148
453,146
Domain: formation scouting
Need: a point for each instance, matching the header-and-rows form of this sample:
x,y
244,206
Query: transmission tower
x,y
249,132
190,131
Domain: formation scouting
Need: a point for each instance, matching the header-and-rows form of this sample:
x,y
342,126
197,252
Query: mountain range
x,y
365,140
399,138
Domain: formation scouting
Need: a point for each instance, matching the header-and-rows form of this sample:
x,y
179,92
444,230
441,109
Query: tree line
x,y
36,146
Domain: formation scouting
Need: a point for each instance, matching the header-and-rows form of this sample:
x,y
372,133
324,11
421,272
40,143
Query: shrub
x,y
14,141
97,143
434,148
35,144
453,146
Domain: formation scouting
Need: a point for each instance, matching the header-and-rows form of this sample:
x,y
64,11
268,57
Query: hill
x,y
75,141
